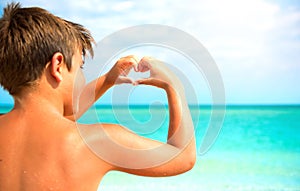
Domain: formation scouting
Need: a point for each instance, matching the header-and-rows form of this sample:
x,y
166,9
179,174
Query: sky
x,y
254,43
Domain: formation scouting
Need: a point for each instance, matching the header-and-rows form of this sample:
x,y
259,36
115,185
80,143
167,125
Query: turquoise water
x,y
258,148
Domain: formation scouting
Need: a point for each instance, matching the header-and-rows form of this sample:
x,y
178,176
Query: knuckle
x,y
145,58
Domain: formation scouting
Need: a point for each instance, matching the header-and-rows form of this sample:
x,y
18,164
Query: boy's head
x,y
29,37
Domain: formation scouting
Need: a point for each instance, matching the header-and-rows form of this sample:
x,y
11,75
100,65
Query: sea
x,y
256,148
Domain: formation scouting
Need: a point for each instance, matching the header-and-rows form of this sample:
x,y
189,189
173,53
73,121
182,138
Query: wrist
x,y
174,87
108,80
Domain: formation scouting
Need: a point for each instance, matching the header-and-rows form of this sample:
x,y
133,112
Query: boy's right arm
x,y
95,89
131,153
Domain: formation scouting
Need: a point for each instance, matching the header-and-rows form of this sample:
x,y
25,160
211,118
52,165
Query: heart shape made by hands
x,y
140,70
134,76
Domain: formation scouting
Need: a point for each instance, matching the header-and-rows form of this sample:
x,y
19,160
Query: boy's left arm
x,y
95,89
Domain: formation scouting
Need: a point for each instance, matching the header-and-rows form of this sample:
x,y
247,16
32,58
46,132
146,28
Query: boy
x,y
40,145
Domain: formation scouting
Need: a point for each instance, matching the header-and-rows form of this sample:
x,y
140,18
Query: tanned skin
x,y
42,149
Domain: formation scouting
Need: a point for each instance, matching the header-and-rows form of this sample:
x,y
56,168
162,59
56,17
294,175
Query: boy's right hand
x,y
118,73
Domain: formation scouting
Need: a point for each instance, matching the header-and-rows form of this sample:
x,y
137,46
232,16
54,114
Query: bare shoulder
x,y
78,153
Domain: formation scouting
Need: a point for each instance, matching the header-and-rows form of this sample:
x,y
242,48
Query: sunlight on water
x,y
257,149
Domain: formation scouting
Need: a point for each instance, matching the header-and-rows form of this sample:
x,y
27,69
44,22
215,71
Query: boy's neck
x,y
39,102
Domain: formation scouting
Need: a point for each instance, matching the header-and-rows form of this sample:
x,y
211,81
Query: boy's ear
x,y
56,66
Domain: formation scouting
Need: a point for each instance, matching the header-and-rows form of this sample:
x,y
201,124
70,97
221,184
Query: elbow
x,y
190,156
187,166
191,163
188,163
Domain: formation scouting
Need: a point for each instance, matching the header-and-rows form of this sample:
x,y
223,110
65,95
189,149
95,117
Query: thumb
x,y
123,79
151,82
145,81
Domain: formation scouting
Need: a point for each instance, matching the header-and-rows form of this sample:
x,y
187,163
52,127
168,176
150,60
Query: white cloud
x,y
123,6
248,39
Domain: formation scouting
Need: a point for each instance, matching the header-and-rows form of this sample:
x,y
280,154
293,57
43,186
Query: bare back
x,y
38,155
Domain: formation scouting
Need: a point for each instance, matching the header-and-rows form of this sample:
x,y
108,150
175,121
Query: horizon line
x,y
202,104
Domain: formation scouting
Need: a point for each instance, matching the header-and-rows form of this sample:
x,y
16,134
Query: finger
x,y
149,81
128,61
152,82
126,67
124,80
136,63
143,66
144,69
140,66
143,81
